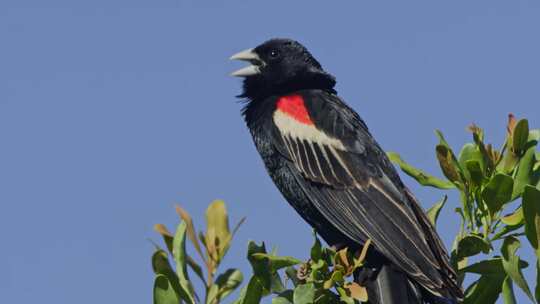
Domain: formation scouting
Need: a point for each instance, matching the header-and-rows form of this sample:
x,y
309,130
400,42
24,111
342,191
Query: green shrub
x,y
489,183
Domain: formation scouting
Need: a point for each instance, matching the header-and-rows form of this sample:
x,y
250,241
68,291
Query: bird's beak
x,y
250,56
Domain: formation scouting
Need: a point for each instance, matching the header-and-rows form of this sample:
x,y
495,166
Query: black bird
x,y
325,162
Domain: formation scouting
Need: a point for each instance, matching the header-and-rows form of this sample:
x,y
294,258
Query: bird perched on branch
x,y
325,162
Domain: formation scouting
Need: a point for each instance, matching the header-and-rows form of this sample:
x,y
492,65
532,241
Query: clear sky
x,y
112,111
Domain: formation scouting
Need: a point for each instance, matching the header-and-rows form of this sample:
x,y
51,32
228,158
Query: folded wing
x,y
349,179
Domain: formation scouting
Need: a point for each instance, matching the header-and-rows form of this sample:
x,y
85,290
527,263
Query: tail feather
x,y
391,286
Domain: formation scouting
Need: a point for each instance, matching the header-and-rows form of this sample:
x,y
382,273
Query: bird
x,y
323,159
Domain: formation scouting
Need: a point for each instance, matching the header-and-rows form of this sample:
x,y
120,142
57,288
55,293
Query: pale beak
x,y
250,56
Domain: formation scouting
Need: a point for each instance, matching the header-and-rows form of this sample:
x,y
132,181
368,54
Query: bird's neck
x,y
260,92
258,88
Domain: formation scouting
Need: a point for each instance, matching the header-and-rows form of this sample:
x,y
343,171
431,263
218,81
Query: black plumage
x,y
323,159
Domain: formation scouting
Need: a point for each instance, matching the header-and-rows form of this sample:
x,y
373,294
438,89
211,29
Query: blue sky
x,y
113,111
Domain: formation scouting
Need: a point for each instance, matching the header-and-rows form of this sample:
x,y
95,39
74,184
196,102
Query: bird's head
x,y
278,66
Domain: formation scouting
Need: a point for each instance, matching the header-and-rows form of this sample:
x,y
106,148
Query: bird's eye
x,y
274,54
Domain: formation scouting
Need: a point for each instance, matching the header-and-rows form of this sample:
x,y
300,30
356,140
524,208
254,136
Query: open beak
x,y
250,56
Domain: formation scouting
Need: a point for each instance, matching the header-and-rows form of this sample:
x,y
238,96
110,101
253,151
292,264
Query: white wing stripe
x,y
287,125
341,162
318,162
289,145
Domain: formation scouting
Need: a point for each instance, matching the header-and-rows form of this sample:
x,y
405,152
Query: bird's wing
x,y
349,179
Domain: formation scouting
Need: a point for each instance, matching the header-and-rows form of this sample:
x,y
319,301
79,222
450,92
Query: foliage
x,y
313,281
499,208
491,182
175,286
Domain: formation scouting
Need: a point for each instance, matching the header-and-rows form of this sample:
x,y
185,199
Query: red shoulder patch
x,y
293,106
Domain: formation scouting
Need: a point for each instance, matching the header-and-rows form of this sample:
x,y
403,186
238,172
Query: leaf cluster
x,y
172,284
499,194
325,278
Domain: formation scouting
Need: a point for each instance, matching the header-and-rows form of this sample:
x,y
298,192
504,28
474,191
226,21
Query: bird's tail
x,y
388,285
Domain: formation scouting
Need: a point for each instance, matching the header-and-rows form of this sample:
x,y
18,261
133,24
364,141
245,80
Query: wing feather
x,y
349,179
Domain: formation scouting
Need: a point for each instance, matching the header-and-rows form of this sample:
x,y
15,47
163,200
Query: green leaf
x,y
304,294
531,212
485,290
492,266
212,294
344,296
469,151
278,262
160,262
521,135
318,270
508,162
316,249
498,192
442,140
472,245
164,292
277,285
420,176
475,172
448,163
261,266
504,231
516,218
450,156
161,266
524,175
286,297
252,293
433,212
508,292
337,276
179,253
328,255
471,154
511,264
228,282
320,264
